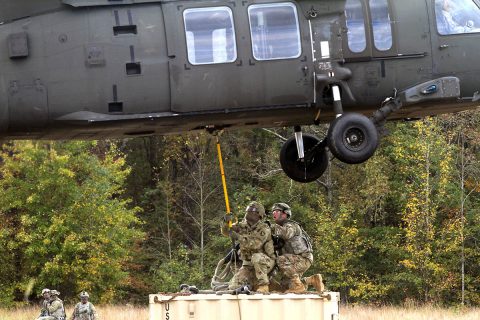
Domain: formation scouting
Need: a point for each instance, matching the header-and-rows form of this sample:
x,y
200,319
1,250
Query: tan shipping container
x,y
238,307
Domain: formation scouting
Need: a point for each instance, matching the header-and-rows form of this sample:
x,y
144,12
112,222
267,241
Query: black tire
x,y
303,171
352,138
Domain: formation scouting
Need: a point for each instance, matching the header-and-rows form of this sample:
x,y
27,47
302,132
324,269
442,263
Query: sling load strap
x,y
228,216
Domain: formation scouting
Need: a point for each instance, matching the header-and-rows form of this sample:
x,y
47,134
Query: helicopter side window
x,y
275,31
210,35
381,24
456,17
357,40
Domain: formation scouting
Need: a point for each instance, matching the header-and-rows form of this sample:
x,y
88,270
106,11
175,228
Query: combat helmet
x,y
283,207
45,290
84,294
258,207
54,293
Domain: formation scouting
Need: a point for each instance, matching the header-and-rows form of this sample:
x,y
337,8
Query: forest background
x,y
123,219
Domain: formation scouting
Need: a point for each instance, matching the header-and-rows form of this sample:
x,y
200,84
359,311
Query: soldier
x,y
296,255
84,310
46,300
55,307
256,250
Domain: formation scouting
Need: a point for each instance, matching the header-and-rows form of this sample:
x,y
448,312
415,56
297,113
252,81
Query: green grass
x,y
346,313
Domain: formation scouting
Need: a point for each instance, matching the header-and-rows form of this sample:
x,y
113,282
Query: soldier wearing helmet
x,y
256,249
46,300
296,255
54,306
84,310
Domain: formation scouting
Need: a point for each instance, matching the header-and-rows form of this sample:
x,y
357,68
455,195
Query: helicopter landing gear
x,y
352,138
312,165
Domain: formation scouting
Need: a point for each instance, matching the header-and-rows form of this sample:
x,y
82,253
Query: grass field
x,y
398,313
104,312
346,313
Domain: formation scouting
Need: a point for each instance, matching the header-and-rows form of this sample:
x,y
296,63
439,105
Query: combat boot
x,y
295,286
315,281
263,288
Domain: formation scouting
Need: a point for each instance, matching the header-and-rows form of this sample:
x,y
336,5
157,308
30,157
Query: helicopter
x,y
96,69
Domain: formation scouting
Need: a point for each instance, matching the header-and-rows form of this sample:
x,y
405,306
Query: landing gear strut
x,y
352,138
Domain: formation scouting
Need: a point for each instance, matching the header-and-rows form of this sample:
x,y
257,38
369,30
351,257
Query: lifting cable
x,y
228,215
229,218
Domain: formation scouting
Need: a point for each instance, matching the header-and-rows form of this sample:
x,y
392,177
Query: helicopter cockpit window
x,y
357,41
455,17
381,24
275,31
210,35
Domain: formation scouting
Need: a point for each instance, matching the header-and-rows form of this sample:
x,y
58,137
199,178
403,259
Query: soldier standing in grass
x,y
45,302
84,310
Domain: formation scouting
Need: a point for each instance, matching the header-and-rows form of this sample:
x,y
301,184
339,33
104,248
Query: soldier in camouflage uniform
x,y
55,308
46,300
84,310
296,255
256,249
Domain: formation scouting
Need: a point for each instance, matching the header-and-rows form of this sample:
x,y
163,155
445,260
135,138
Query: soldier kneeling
x,y
296,255
256,250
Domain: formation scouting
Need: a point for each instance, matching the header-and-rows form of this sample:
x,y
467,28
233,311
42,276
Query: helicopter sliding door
x,y
369,43
226,55
386,46
455,39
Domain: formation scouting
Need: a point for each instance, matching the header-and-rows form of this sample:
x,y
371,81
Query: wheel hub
x,y
354,139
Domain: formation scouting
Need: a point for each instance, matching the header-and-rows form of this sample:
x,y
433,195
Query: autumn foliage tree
x,y
64,223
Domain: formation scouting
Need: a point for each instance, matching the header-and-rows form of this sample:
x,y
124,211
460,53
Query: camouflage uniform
x,y
45,302
84,310
256,252
44,310
296,255
55,308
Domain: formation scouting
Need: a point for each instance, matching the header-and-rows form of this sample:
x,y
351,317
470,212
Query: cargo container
x,y
273,306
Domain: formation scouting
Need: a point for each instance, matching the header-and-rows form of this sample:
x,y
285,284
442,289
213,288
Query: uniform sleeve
x,y
286,232
268,245
54,306
235,235
44,310
94,312
242,225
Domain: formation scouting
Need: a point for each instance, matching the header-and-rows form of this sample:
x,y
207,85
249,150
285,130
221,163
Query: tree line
x,y
122,219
